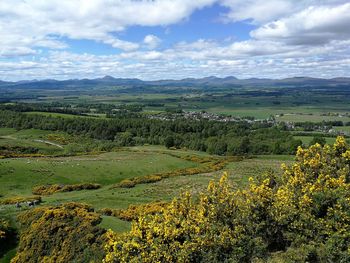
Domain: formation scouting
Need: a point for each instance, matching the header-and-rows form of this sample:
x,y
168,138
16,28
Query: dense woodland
x,y
233,138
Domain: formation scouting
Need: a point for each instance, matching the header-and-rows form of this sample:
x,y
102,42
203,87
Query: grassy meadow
x,y
31,138
19,175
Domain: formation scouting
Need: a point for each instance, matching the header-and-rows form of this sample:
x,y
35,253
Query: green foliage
x,y
66,233
169,142
318,139
302,216
215,137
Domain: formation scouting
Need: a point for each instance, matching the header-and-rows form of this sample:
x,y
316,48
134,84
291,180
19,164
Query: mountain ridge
x,y
205,81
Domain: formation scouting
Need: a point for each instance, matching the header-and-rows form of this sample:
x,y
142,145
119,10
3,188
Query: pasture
x,y
19,175
289,104
10,137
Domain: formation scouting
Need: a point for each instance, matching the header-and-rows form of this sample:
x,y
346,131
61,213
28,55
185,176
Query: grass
x,y
311,117
307,139
29,138
8,256
241,171
18,176
115,224
345,129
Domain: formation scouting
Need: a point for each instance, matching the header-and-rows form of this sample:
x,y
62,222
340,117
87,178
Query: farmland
x,y
18,176
140,150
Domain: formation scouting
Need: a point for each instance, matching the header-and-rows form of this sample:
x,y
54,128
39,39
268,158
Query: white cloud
x,y
314,25
32,23
152,41
263,11
304,37
257,10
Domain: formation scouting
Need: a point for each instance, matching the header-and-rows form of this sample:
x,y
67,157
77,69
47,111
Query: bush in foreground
x,y
302,216
66,233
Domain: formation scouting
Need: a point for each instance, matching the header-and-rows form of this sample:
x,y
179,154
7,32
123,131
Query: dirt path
x,y
51,143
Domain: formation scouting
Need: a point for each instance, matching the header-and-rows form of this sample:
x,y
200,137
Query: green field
x,y
292,104
48,143
30,138
311,117
18,176
345,129
307,139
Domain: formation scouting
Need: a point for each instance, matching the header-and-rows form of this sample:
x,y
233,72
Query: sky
x,y
174,39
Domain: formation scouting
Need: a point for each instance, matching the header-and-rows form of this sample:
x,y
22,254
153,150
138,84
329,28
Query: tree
x,y
318,139
243,147
169,142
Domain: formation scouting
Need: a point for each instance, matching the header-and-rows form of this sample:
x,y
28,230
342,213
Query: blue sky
x,y
160,39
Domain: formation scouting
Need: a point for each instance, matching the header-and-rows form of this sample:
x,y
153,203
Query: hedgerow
x,y
56,188
20,199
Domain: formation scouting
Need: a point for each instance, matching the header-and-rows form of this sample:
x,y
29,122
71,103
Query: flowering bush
x,y
55,188
20,199
66,233
133,212
301,216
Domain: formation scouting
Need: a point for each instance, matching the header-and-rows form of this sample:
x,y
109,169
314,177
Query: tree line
x,y
233,138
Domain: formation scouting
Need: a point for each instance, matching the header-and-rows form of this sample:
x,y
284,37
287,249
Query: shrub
x,y
65,233
126,184
301,216
147,179
19,199
133,212
55,188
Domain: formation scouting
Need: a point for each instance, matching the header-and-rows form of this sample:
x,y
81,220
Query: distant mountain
x,y
4,82
212,81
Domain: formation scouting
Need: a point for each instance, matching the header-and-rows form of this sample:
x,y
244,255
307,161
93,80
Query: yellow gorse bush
x,y
303,215
56,188
133,212
65,233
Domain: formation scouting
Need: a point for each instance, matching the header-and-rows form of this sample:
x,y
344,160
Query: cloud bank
x,y
306,37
